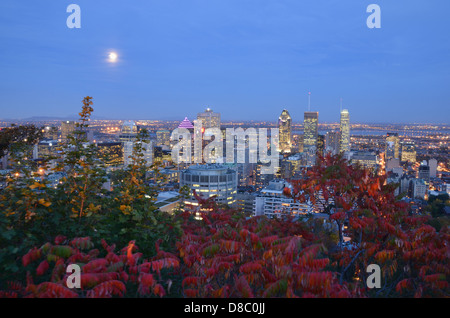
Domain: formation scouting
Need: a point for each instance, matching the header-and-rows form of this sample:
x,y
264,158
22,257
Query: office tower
x,y
300,143
128,132
127,137
111,153
432,163
310,136
392,146
261,180
147,150
284,126
210,180
67,128
344,127
424,172
321,144
404,184
391,164
286,169
163,138
209,119
409,151
332,142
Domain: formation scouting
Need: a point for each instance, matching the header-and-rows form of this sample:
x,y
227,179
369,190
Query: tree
x,y
17,137
410,252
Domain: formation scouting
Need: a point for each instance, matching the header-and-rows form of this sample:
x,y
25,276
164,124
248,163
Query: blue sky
x,y
247,59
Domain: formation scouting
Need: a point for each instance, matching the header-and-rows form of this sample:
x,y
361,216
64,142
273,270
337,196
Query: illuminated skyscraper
x,y
409,151
284,126
310,136
392,146
344,144
209,119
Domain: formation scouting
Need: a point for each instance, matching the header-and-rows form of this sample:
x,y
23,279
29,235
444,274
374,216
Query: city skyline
x,y
247,61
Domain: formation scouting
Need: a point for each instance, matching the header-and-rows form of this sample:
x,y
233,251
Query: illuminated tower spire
x,y
309,101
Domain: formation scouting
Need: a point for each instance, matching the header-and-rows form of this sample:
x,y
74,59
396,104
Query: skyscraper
x,y
209,119
284,126
310,136
424,172
344,144
432,163
409,151
163,137
392,146
332,142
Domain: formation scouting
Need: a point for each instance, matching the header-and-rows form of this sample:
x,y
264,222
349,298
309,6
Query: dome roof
x,y
129,127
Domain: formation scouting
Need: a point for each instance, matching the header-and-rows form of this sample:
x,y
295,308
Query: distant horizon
x,y
74,118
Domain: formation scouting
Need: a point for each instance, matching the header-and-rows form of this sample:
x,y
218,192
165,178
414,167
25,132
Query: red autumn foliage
x,y
228,255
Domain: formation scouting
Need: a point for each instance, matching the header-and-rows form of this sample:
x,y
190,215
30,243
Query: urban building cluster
x,y
416,163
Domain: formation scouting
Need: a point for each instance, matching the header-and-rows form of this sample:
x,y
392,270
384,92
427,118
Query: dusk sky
x,y
247,59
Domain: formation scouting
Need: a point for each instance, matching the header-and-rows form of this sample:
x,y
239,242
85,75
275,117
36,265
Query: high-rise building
x,y
344,127
409,151
310,136
284,126
210,180
424,172
67,128
209,119
332,142
127,137
147,149
129,131
392,146
432,163
163,138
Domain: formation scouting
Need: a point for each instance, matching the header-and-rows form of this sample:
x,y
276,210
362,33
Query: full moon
x,y
113,57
